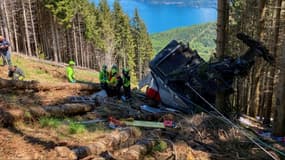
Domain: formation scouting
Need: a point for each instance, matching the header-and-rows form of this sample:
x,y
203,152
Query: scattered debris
x,y
92,121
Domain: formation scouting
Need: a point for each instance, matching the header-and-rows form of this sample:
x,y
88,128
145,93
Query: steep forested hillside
x,y
78,30
191,3
200,38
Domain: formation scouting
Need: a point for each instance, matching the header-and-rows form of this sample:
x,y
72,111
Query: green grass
x,y
39,71
160,146
47,73
49,122
76,128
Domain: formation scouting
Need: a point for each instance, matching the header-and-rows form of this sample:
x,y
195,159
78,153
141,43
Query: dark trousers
x,y
118,91
104,86
114,91
6,56
127,92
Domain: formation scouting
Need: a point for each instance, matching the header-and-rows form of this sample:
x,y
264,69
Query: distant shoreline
x,y
183,27
181,3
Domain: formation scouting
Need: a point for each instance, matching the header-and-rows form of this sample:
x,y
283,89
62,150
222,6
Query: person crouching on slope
x,y
16,73
103,77
115,83
70,72
126,83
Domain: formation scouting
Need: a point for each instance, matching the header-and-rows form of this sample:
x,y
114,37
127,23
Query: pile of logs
x,y
114,140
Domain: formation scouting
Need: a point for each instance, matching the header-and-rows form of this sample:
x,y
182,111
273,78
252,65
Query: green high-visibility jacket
x,y
103,76
126,81
70,74
113,81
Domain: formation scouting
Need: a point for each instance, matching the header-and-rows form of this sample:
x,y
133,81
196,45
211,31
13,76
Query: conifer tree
x,y
142,44
106,31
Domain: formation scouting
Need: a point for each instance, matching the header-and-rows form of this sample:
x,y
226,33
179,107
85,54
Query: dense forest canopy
x,y
61,30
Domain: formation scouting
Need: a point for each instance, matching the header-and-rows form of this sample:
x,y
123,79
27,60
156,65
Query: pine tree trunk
x,y
5,27
58,46
54,42
279,114
15,34
83,60
140,65
223,12
261,15
28,43
270,83
222,26
10,37
33,28
75,42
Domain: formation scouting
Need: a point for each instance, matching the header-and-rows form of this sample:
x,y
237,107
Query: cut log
x,y
183,151
9,116
135,152
64,153
37,86
110,142
61,110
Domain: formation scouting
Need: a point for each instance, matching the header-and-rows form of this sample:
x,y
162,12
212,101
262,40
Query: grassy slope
x,y
200,37
47,73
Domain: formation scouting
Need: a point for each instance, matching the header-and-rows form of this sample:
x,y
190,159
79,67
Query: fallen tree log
x,y
110,142
37,86
61,110
9,116
138,151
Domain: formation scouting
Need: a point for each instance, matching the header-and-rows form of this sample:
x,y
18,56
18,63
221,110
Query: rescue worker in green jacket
x,y
103,77
127,83
16,73
70,72
115,82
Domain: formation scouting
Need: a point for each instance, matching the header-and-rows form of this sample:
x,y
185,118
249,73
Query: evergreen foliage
x,y
200,37
119,40
143,45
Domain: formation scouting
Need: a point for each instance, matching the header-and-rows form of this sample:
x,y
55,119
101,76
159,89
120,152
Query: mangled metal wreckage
x,y
179,77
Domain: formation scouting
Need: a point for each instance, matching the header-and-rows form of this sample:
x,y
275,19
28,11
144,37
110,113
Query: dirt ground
x,y
197,136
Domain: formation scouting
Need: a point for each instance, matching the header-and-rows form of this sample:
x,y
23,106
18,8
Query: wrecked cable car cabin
x,y
181,79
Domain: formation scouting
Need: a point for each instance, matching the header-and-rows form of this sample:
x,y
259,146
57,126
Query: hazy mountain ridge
x,y
190,3
200,37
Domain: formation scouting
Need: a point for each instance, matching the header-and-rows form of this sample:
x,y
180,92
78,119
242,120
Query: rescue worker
x,y
16,73
114,69
115,82
126,83
103,77
70,72
4,51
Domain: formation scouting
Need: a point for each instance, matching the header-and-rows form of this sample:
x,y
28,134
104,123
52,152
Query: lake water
x,y
159,18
